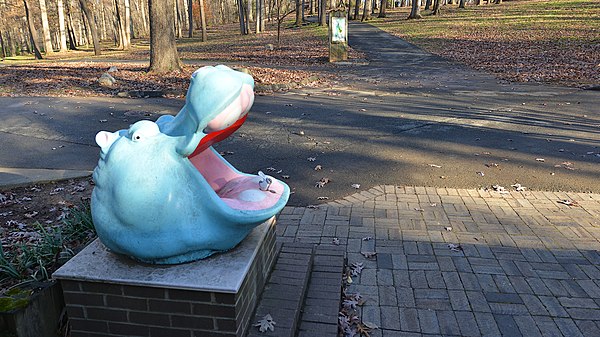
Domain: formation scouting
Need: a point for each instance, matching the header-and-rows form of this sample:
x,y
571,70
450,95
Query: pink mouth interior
x,y
232,187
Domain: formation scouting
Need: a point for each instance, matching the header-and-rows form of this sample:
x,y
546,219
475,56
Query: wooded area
x,y
43,27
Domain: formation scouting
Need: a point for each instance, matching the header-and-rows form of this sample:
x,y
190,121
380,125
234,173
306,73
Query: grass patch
x,y
35,261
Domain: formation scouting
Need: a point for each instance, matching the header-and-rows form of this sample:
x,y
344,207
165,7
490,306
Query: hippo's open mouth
x,y
237,190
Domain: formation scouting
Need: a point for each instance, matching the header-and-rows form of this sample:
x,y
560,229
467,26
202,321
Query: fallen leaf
x,y
436,166
31,214
518,187
336,241
367,238
321,183
266,323
370,325
357,186
322,198
448,229
500,189
567,202
454,247
356,268
311,158
540,159
318,168
369,255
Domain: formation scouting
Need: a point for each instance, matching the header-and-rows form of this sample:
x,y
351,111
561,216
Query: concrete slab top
x,y
219,273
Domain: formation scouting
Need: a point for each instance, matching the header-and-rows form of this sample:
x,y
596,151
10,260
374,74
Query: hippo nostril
x,y
105,139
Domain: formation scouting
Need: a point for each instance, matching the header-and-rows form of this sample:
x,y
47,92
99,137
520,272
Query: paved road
x,y
393,121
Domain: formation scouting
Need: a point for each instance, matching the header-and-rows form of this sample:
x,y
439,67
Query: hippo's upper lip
x,y
217,136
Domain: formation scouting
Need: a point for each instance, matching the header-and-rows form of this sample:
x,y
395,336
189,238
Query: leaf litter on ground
x,y
266,324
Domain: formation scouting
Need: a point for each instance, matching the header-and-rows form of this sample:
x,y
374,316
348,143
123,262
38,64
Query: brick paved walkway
x,y
528,265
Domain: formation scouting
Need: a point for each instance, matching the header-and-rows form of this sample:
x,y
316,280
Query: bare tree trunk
x,y
127,27
248,13
415,12
46,28
322,12
177,21
367,11
103,31
242,18
436,7
427,4
298,13
2,46
382,9
163,50
461,4
356,9
120,27
203,20
92,25
32,32
61,26
143,6
190,18
71,29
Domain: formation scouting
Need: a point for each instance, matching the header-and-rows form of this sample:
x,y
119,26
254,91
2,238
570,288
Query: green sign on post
x,y
338,36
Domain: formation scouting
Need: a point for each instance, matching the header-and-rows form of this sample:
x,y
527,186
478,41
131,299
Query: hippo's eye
x,y
137,137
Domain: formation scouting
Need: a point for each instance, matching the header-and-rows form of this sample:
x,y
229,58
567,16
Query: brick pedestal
x,y
111,295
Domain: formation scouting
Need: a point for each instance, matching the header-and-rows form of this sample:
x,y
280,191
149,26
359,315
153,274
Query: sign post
x,y
338,36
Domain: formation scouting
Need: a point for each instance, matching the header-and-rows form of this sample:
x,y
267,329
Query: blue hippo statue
x,y
163,195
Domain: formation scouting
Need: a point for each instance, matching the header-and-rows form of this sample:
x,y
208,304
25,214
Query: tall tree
x,y
127,24
242,18
415,12
322,12
121,29
46,28
92,25
298,13
163,48
382,9
356,10
203,20
436,7
190,18
461,4
367,11
61,26
32,32
260,16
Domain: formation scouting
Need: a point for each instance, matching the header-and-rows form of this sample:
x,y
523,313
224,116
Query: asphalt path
x,y
406,117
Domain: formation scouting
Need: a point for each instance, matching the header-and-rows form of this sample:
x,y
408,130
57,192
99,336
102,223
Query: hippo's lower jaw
x,y
237,190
